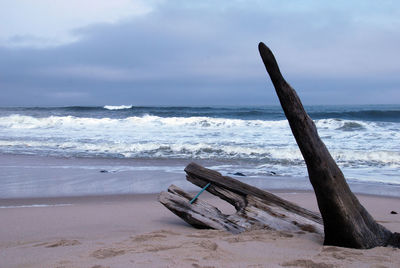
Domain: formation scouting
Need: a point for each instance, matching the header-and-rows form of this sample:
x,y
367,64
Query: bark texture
x,y
346,222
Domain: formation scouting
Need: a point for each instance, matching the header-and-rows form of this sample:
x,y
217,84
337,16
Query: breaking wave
x,y
120,107
260,136
194,137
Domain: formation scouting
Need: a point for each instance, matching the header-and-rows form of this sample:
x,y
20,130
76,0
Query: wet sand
x,y
46,176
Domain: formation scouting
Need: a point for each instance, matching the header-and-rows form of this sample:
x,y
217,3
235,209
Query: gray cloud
x,y
180,54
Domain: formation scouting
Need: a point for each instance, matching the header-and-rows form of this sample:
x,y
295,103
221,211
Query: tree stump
x,y
346,222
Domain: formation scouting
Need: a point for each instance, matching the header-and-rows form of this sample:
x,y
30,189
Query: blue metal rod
x,y
202,190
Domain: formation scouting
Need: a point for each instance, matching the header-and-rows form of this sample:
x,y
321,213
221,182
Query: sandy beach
x,y
66,211
137,231
106,104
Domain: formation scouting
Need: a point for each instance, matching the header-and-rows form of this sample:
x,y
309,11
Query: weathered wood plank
x,y
255,209
199,214
200,176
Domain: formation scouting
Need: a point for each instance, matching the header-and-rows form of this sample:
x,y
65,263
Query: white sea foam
x,y
118,107
356,145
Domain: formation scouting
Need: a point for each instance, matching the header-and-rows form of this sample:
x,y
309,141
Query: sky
x,y
181,53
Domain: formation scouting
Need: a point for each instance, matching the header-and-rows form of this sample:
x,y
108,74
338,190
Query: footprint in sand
x,y
340,253
107,253
147,237
59,243
257,235
153,235
307,263
195,265
157,248
349,252
207,244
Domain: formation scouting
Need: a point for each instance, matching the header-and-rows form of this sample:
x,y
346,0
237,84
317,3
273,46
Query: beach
x,y
84,213
79,185
124,125
137,231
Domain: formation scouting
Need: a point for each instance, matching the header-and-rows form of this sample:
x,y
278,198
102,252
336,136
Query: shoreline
x,y
121,228
132,197
27,176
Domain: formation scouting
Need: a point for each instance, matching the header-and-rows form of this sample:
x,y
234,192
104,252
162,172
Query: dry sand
x,y
137,231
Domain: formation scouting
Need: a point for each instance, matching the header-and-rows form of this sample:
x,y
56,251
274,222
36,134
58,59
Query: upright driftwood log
x,y
346,222
255,208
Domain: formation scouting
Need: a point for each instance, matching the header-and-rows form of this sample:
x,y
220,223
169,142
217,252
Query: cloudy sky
x,y
97,52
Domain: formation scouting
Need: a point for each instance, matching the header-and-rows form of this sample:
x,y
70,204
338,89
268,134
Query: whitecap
x,y
117,107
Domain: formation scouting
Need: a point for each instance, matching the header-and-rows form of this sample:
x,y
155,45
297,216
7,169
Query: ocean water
x,y
255,141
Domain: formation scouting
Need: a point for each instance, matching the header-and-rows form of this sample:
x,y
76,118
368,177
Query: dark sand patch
x,y
107,253
307,264
59,243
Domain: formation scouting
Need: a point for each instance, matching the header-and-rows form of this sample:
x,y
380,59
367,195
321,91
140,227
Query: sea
x,y
253,144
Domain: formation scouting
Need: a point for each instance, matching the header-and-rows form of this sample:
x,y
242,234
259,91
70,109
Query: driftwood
x,y
346,222
255,208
